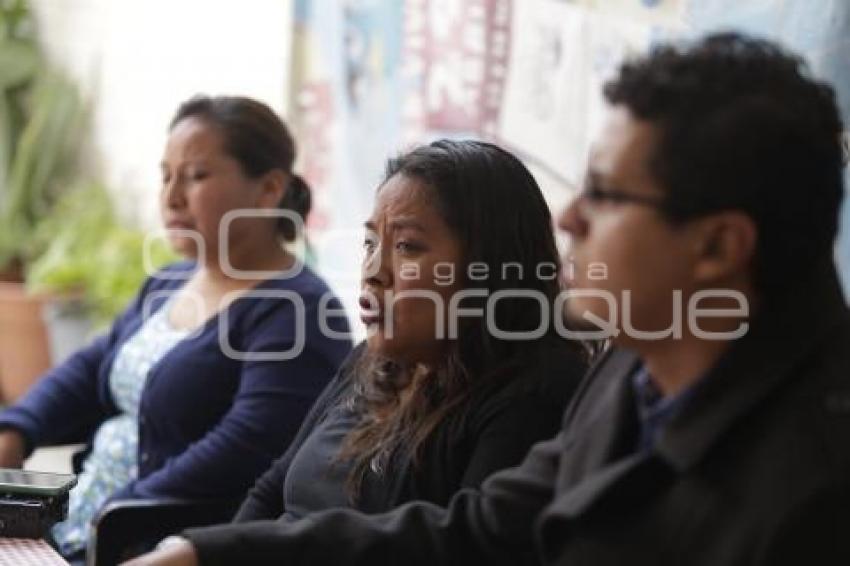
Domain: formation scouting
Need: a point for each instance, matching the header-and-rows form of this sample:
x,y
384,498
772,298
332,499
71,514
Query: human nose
x,y
574,218
377,268
173,194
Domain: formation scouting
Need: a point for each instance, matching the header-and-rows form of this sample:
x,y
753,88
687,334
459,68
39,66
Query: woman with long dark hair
x,y
462,370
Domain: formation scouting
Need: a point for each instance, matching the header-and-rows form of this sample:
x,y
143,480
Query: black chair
x,y
125,529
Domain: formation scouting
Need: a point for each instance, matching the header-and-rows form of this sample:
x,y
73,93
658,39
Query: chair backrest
x,y
125,529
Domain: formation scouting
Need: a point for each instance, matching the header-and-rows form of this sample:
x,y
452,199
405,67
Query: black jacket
x,y
755,470
493,430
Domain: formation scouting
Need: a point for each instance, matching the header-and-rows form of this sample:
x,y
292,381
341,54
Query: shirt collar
x,y
654,410
775,350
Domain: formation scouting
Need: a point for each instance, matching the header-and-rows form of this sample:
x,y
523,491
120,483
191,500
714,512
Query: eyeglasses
x,y
593,197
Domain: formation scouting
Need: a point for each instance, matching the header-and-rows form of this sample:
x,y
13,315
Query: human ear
x,y
725,246
272,187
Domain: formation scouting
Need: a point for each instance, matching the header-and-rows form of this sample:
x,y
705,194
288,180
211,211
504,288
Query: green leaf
x,y
88,252
19,61
43,158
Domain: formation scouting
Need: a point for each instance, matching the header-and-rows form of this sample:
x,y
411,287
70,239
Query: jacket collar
x,y
597,459
603,429
778,342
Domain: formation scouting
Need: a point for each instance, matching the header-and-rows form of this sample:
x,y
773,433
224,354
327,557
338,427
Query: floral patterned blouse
x,y
112,463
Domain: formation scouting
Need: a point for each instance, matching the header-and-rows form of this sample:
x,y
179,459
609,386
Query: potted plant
x,y
90,266
40,118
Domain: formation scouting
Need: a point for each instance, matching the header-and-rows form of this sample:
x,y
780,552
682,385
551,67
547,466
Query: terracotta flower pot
x,y
24,349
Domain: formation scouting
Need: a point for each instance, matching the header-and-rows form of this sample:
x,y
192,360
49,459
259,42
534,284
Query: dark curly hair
x,y
495,209
259,140
743,126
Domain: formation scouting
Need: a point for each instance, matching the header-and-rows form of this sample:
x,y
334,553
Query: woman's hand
x,y
178,553
12,447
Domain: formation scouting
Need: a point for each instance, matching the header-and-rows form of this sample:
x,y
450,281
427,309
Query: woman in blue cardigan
x,y
206,377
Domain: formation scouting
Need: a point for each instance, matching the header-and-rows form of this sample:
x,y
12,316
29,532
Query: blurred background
x,y
89,87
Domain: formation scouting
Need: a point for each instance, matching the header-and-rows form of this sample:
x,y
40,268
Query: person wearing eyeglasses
x,y
716,430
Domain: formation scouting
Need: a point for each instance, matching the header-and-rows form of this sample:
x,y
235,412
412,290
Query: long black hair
x,y
495,209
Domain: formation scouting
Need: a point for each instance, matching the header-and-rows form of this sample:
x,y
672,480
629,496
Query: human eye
x,y
598,196
406,246
370,242
594,194
199,174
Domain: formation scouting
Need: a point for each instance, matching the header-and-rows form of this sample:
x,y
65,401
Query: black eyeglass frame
x,y
595,195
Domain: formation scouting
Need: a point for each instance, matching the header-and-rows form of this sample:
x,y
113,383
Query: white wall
x,y
136,60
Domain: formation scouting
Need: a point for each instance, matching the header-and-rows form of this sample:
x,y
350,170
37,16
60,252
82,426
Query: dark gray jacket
x,y
754,470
